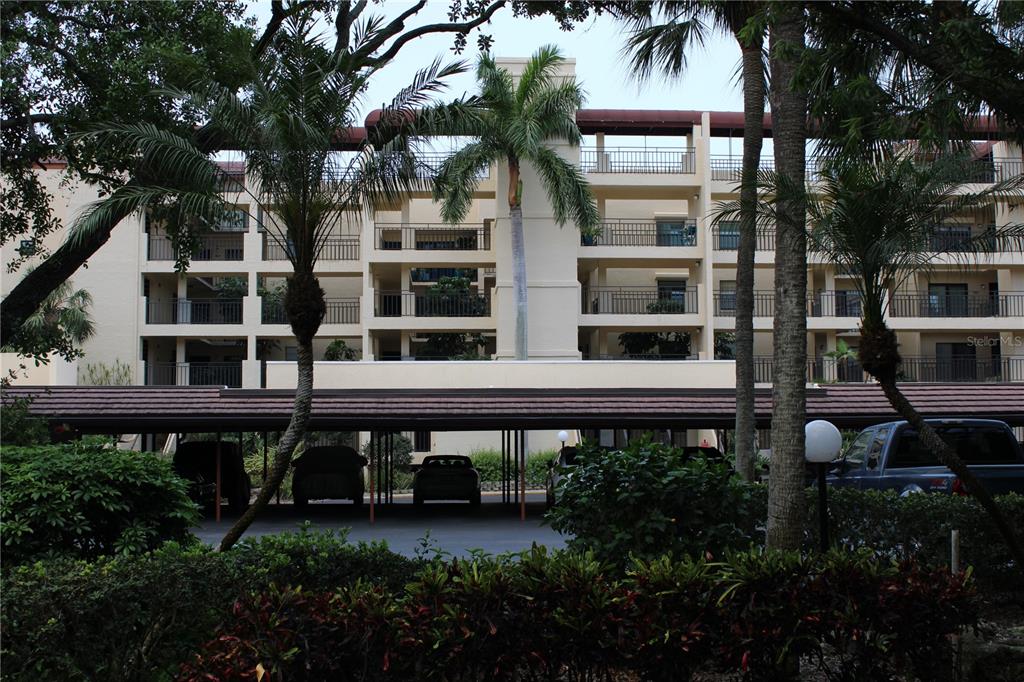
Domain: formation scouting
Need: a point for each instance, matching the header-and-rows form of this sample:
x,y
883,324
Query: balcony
x,y
1008,304
639,301
331,249
643,233
842,303
725,303
429,304
432,237
647,357
913,369
194,374
727,238
213,247
339,311
430,163
194,311
729,168
638,160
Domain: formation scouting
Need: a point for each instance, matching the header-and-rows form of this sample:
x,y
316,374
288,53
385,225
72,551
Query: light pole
x,y
822,443
563,436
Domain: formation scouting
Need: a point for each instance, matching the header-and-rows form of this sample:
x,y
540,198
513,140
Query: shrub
x,y
402,452
488,464
139,617
18,426
566,616
87,499
649,499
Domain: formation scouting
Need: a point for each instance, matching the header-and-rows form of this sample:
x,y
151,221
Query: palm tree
x,y
517,123
875,219
288,125
662,33
62,323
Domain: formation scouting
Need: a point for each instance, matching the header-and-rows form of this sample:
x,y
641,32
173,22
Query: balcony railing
x,y
432,237
194,311
643,233
644,356
640,160
725,303
430,163
916,369
429,304
333,249
729,168
339,311
227,247
729,239
842,303
639,301
194,374
1008,304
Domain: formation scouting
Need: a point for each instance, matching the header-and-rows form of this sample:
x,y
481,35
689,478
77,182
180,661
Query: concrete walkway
x,y
454,529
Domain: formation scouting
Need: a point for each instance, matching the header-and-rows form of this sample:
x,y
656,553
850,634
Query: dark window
x,y
729,236
421,441
676,233
858,449
974,445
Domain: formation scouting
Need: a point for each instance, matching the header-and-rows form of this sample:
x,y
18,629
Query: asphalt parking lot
x,y
455,529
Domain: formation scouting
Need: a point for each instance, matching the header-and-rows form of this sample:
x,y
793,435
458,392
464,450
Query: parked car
x,y
558,469
891,457
707,451
446,477
196,461
328,472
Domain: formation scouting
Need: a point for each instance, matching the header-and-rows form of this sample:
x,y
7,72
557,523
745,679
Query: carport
x,y
383,412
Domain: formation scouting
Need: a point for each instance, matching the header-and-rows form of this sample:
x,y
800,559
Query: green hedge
x,y
488,463
87,499
139,617
564,616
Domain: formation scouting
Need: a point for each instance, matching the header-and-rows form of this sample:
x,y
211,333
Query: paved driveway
x,y
452,528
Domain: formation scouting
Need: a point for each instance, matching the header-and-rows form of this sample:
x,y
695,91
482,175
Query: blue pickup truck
x,y
891,457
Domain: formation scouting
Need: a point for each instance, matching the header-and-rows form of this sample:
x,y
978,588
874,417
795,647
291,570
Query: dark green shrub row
x,y
87,499
139,617
564,616
488,463
648,500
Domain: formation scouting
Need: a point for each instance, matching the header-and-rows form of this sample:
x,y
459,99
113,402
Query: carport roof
x,y
141,409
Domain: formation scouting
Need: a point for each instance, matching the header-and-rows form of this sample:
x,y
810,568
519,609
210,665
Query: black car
x,y
328,473
196,461
446,477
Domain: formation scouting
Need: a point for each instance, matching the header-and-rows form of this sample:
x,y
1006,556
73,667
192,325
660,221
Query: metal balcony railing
x,y
435,274
640,160
1007,304
841,303
729,168
916,369
432,237
431,304
644,356
725,303
194,311
194,374
339,311
430,163
227,247
728,239
643,233
333,249
639,301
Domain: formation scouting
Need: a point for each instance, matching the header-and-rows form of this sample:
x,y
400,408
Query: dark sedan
x,y
446,477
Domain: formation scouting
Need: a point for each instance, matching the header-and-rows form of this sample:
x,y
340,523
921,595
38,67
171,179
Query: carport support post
x,y
369,470
216,498
265,448
522,476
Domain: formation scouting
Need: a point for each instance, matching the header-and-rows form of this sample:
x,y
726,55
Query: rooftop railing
x,y
729,168
639,300
432,237
639,160
643,233
194,311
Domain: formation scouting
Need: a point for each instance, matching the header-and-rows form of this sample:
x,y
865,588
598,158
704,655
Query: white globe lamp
x,y
822,443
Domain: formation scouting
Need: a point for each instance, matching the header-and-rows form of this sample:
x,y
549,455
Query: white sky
x,y
596,45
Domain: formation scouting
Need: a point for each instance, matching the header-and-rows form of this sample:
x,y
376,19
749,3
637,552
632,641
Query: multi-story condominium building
x,y
655,284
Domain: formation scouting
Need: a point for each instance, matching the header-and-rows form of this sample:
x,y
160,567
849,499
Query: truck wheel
x,y
474,501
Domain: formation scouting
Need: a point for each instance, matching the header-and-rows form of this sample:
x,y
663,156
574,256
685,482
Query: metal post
x,y
266,448
522,476
504,472
515,470
954,551
369,470
823,506
216,497
279,487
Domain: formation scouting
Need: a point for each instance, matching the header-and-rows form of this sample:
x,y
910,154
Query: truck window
x,y
877,444
974,445
858,448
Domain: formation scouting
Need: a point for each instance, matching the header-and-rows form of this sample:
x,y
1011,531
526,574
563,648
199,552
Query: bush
x,y
565,616
488,463
88,499
648,500
139,617
18,426
402,452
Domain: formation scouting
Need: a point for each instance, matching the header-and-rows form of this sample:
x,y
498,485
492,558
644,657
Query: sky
x,y
596,45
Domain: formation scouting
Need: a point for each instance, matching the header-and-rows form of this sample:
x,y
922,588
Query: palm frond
x,y
567,189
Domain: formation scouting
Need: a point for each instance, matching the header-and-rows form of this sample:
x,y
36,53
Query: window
x,y
27,247
671,296
974,444
421,441
858,449
676,233
235,220
955,362
291,353
877,444
947,300
950,237
727,296
728,236
847,303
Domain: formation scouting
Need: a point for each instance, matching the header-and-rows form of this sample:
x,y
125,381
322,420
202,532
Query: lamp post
x,y
822,442
563,436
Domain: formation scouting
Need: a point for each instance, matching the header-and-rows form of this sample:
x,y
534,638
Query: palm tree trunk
x,y
285,447
786,506
948,456
753,134
519,289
